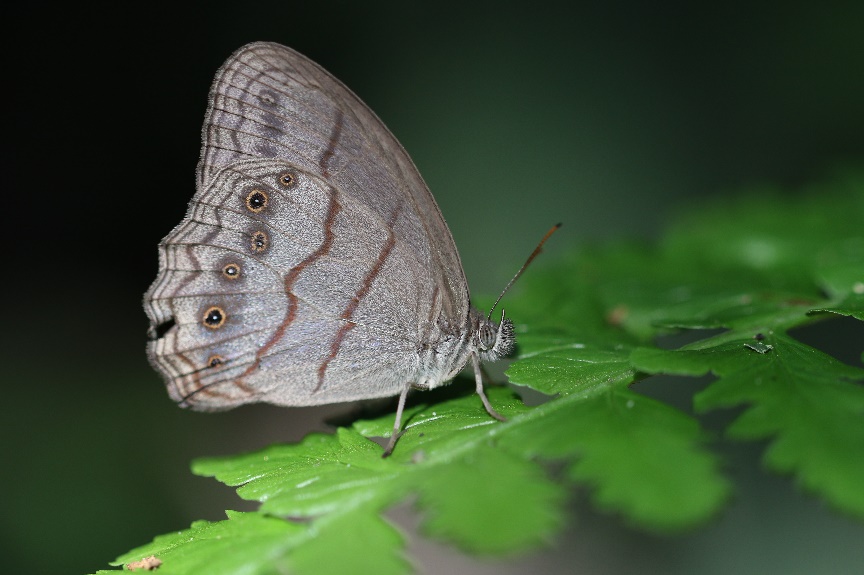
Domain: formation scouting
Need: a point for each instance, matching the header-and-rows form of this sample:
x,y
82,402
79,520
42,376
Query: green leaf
x,y
244,543
844,283
642,458
572,369
369,544
810,405
473,504
312,478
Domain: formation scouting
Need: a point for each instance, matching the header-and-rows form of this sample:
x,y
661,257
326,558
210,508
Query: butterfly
x,y
313,265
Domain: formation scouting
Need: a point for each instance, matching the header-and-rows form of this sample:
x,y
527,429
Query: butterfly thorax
x,y
442,361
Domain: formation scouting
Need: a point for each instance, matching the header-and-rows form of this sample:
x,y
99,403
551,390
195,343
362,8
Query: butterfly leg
x,y
478,370
397,425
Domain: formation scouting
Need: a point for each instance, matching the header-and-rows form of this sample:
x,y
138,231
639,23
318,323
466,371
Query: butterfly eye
x,y
256,201
215,360
487,337
214,317
287,179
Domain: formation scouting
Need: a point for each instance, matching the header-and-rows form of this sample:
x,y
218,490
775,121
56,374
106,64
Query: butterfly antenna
x,y
533,255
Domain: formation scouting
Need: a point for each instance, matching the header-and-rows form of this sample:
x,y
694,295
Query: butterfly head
x,y
494,341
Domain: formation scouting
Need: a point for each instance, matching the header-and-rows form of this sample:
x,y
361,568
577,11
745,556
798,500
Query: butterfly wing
x,y
313,265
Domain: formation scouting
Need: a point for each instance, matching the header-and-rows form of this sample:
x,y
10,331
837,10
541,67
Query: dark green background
x,y
607,116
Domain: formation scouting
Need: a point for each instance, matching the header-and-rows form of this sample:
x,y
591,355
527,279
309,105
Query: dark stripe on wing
x,y
348,314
